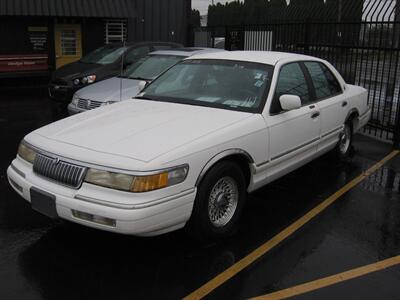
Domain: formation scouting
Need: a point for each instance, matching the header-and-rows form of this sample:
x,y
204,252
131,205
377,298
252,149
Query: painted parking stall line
x,y
221,278
331,280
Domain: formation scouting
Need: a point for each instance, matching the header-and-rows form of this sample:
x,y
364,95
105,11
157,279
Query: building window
x,y
115,31
68,42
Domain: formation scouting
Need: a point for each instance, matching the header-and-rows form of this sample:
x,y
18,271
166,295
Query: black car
x,y
102,63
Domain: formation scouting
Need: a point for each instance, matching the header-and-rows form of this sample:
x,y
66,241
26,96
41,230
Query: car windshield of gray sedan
x,y
224,84
151,66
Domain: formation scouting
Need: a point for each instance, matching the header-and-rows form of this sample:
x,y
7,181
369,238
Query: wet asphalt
x,y
46,259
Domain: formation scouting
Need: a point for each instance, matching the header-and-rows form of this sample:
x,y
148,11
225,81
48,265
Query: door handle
x,y
312,106
344,103
315,115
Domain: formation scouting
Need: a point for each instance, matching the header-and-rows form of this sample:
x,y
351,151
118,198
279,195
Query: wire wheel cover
x,y
223,201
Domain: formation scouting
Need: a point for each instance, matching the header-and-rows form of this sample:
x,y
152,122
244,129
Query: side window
x,y
325,83
291,81
136,54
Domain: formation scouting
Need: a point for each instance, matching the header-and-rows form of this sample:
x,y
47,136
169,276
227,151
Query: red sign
x,y
28,62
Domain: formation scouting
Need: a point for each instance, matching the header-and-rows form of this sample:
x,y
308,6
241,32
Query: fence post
x,y
396,134
228,38
307,37
213,37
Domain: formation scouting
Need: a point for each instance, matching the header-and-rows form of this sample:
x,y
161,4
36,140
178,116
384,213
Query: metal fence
x,y
366,53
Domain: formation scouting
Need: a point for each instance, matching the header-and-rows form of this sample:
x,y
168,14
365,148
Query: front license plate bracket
x,y
43,202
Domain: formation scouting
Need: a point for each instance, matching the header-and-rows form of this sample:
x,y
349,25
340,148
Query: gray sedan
x,y
126,86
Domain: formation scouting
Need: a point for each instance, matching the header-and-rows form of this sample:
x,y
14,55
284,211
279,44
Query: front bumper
x,y
153,217
62,93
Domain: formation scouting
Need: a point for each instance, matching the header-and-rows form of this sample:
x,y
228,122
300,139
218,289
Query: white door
x,y
331,103
294,135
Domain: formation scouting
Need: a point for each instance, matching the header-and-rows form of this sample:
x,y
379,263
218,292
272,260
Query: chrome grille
x,y
88,104
60,171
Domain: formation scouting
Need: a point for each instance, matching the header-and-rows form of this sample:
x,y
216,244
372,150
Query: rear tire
x,y
219,202
344,148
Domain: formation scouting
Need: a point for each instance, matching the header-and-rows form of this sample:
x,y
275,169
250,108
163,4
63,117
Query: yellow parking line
x,y
331,280
221,278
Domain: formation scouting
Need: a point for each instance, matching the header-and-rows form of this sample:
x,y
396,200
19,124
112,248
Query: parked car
x,y
126,86
188,149
102,63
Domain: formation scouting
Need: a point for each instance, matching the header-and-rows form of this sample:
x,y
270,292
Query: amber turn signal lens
x,y
148,183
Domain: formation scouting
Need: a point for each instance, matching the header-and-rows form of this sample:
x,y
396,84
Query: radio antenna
x,y
122,70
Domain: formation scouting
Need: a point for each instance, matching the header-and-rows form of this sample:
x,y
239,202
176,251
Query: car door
x,y
331,102
294,135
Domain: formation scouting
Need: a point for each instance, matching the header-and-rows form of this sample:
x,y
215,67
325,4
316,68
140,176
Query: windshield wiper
x,y
143,97
140,78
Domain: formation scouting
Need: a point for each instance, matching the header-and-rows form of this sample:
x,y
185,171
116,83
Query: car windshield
x,y
104,55
224,84
151,66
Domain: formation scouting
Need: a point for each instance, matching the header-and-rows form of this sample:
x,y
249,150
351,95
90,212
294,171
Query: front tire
x,y
219,202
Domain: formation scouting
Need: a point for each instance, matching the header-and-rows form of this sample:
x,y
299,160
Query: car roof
x,y
263,57
186,51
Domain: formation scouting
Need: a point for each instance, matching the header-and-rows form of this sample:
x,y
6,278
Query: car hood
x,y
75,70
140,129
110,90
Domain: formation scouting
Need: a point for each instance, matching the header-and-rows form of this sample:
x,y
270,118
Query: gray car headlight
x,y
75,99
137,184
26,153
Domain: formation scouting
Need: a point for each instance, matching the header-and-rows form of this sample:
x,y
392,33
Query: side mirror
x,y
142,84
290,102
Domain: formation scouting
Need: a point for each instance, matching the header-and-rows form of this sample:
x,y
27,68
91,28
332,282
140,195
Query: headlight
x,y
137,184
88,79
75,99
85,80
26,153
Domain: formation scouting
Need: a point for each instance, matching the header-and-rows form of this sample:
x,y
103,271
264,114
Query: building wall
x,y
16,35
160,20
154,20
26,45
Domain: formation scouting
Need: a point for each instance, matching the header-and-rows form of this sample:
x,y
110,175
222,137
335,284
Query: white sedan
x,y
188,149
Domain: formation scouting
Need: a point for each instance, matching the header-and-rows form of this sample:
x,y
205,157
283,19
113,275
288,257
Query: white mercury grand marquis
x,y
191,145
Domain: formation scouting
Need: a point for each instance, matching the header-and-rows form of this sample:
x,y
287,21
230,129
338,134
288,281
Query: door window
x,y
325,83
291,81
68,42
